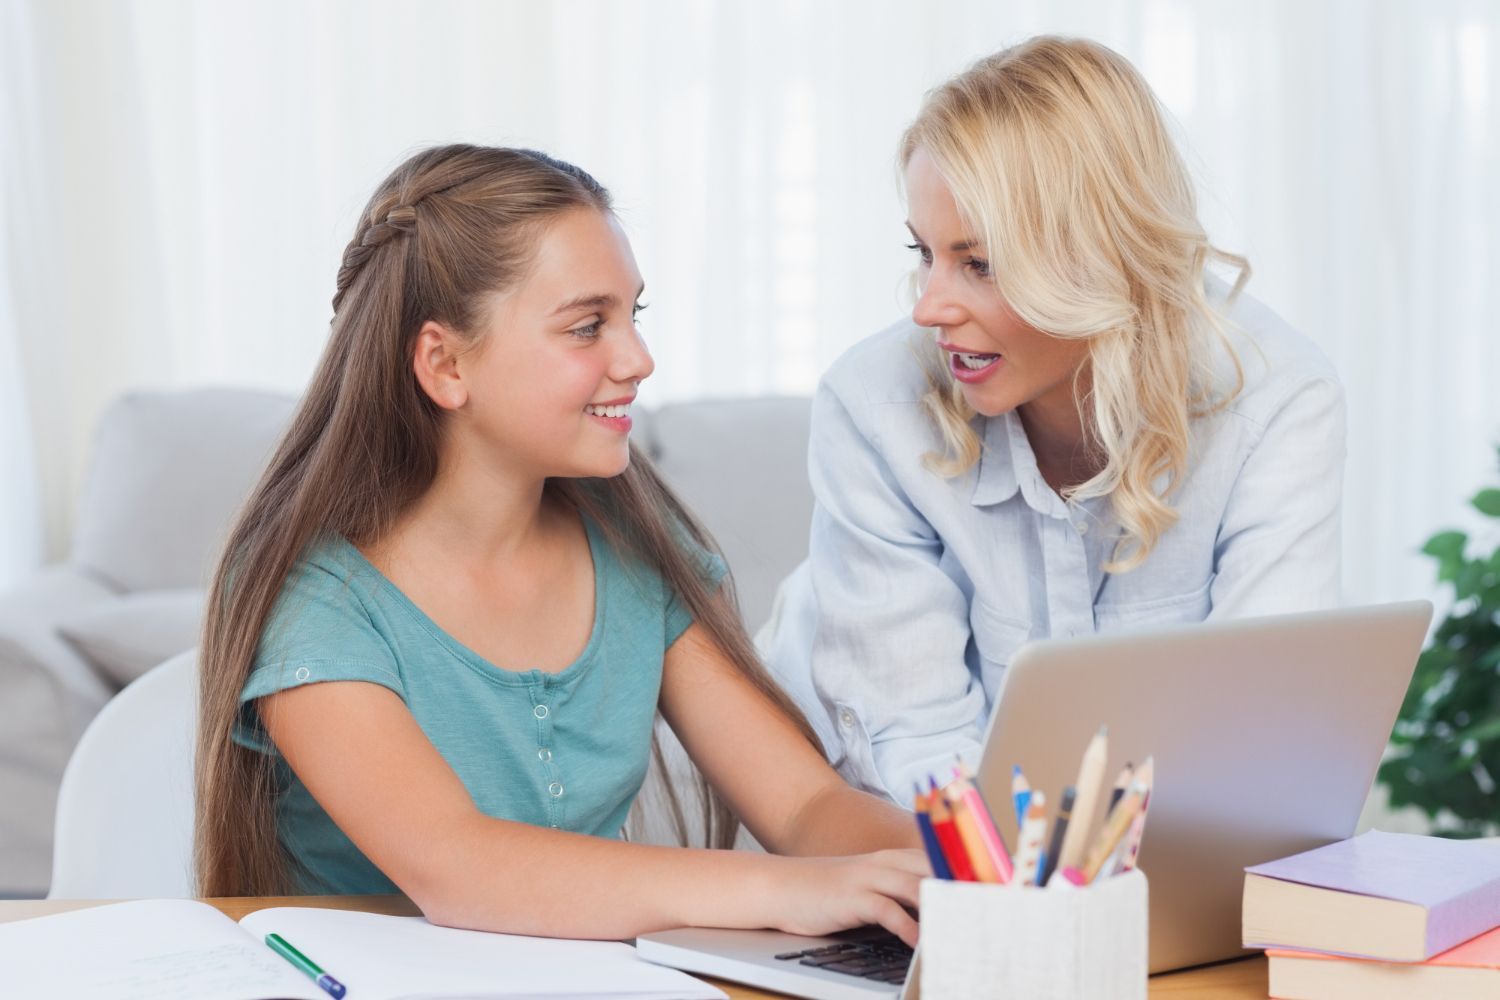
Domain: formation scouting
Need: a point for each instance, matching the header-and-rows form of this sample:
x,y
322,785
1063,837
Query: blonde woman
x,y
1079,430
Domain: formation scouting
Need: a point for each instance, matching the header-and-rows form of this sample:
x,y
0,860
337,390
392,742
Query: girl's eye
x,y
979,266
922,252
589,332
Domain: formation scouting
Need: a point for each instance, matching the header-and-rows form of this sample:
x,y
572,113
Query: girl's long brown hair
x,y
449,226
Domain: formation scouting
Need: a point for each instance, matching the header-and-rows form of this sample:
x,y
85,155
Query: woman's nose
x,y
936,306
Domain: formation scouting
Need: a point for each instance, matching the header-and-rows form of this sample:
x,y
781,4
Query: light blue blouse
x,y
567,749
895,633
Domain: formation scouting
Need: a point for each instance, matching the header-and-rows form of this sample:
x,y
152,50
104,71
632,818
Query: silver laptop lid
x,y
1266,734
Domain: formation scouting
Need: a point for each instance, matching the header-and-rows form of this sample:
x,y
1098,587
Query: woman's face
x,y
551,380
1001,363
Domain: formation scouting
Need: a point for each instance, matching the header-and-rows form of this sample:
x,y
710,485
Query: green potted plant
x,y
1445,751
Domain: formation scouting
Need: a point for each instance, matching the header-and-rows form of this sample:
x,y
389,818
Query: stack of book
x,y
1380,915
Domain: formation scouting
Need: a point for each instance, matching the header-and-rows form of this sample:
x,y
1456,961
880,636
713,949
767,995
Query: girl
x,y
445,621
1078,431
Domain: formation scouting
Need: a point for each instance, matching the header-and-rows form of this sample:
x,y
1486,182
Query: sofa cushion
x,y
168,473
741,466
126,636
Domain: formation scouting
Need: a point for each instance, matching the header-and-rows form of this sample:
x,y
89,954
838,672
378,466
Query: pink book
x,y
1471,970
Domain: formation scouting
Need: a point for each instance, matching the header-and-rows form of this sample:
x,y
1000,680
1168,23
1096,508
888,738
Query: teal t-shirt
x,y
567,750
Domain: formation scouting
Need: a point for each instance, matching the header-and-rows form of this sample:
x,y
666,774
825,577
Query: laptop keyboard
x,y
867,952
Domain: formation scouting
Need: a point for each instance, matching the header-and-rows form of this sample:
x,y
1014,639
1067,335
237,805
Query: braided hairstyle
x,y
449,227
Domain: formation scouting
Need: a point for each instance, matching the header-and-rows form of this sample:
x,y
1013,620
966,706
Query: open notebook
x,y
176,949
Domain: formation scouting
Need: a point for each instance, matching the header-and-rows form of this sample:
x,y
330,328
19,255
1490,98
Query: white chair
x,y
125,808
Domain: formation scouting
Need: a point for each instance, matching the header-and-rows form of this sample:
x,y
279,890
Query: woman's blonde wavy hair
x,y
1058,157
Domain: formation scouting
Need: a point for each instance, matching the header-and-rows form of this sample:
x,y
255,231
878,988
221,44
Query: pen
x,y
1059,830
305,965
935,857
1090,774
1020,791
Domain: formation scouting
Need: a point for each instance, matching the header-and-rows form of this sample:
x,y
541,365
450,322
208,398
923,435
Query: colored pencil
x,y
1059,830
1146,776
991,840
1090,775
948,839
967,824
1121,783
1029,840
934,850
1114,830
1020,792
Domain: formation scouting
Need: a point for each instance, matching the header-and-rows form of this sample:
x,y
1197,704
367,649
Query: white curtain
x,y
206,162
21,543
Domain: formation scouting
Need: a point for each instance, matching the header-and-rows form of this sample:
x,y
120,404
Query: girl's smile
x,y
615,414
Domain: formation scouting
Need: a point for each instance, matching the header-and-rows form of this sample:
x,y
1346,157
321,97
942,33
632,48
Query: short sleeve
x,y
712,569
318,630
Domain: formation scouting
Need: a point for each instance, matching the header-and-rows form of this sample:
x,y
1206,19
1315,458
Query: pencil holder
x,y
981,940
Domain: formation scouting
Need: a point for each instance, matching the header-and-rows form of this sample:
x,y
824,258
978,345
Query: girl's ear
x,y
435,362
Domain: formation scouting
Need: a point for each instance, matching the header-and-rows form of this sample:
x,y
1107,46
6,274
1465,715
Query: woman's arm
x,y
402,805
1278,545
892,627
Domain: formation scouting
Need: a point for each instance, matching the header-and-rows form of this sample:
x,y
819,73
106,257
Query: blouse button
x,y
1082,527
544,754
540,711
303,673
847,718
556,789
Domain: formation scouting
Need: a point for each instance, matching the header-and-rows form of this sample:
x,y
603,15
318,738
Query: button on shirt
x,y
567,750
895,633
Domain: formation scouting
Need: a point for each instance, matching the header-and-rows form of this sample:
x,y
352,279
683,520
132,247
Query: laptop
x,y
1266,733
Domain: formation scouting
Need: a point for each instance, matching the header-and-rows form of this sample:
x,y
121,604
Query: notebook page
x,y
385,958
154,949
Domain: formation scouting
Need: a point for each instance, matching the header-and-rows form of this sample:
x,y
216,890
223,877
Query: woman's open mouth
x,y
972,368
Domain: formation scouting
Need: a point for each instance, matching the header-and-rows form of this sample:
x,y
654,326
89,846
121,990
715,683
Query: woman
x,y
1079,430
457,599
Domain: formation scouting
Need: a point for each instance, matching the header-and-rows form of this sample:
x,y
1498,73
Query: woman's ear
x,y
435,362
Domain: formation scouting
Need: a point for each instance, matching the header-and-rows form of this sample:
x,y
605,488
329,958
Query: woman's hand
x,y
816,896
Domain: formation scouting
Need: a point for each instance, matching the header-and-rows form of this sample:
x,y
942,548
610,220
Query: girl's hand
x,y
816,896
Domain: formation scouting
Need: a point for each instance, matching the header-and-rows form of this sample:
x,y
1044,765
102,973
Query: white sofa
x,y
168,472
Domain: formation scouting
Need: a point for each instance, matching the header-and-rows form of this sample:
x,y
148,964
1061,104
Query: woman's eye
x,y
588,332
922,252
635,313
978,266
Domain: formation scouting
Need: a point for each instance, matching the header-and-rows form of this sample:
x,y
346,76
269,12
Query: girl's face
x,y
550,383
1001,363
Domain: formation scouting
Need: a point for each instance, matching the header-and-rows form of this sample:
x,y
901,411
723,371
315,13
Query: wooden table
x,y
1226,981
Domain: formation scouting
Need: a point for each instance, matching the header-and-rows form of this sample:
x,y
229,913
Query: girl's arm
x,y
775,780
402,805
